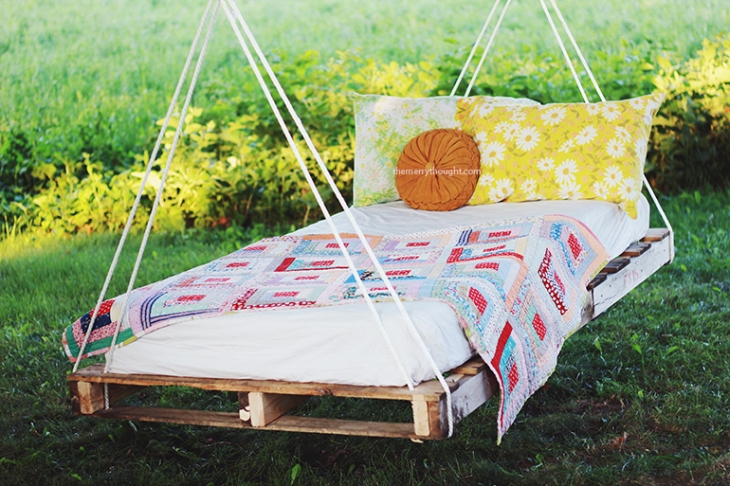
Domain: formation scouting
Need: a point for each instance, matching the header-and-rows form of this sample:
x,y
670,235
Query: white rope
x,y
410,325
487,48
158,197
474,48
140,192
565,52
577,49
603,98
318,197
663,215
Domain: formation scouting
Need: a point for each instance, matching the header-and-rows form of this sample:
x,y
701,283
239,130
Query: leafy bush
x,y
539,75
233,165
691,140
16,164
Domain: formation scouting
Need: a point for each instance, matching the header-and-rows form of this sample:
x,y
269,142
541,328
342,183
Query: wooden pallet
x,y
264,404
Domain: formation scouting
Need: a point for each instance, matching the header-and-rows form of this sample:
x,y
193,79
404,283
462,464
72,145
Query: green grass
x,y
93,76
640,395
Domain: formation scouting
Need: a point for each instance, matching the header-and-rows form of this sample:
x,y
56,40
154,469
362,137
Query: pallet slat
x,y
597,280
95,374
615,265
655,234
471,367
636,249
286,423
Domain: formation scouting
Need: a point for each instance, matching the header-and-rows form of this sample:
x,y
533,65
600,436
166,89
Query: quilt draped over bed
x,y
517,287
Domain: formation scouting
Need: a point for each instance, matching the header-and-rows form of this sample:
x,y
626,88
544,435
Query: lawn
x,y
640,396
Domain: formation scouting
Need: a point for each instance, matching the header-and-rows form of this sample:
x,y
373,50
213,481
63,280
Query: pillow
x,y
561,151
438,170
383,127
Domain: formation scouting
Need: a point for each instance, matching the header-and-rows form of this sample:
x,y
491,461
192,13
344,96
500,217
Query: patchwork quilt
x,y
517,288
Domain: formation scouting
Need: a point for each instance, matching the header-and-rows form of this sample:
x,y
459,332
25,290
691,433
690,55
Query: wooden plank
x,y
427,419
87,398
586,313
615,265
636,249
286,423
621,283
472,367
655,234
473,391
175,416
95,374
393,430
597,280
267,407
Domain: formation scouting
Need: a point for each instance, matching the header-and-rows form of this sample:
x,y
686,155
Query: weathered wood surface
x,y
95,374
267,407
623,274
286,423
638,269
264,411
87,398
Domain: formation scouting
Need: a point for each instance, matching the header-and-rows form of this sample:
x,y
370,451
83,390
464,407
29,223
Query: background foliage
x,y
74,134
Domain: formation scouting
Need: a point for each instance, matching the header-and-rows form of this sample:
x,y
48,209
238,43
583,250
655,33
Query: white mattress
x,y
342,344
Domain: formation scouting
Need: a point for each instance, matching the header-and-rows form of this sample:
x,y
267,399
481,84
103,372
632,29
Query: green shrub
x,y
16,164
543,76
691,139
233,165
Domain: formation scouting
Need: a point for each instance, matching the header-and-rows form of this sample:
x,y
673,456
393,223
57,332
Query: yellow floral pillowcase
x,y
561,151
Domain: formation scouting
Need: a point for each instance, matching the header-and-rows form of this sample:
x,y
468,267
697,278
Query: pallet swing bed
x,y
427,359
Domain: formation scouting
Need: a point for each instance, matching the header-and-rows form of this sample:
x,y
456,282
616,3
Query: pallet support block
x,y
267,407
427,419
88,398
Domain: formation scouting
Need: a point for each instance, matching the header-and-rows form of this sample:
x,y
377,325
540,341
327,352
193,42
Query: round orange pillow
x,y
438,170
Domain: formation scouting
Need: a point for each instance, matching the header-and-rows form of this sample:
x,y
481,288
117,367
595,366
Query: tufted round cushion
x,y
438,170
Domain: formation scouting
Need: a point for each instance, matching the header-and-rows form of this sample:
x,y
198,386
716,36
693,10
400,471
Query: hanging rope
x,y
140,192
474,48
565,52
603,98
577,50
381,272
315,192
576,78
487,48
663,215
158,197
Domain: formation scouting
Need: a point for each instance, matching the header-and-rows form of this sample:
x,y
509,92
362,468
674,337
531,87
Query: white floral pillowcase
x,y
383,127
